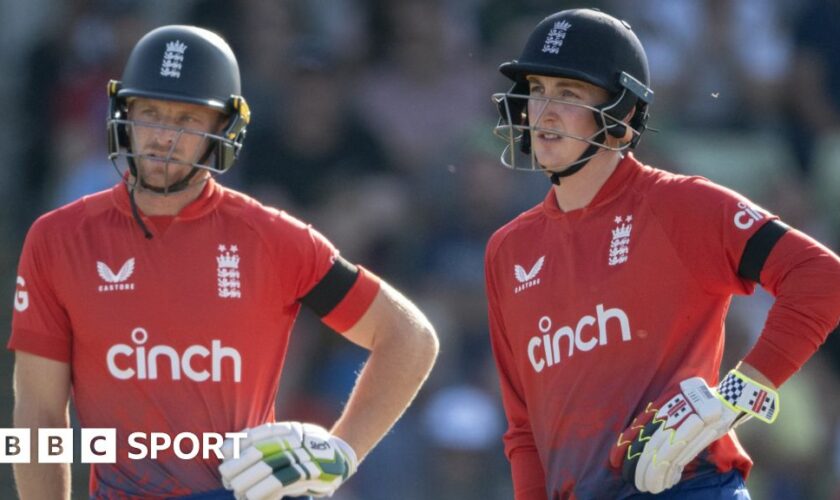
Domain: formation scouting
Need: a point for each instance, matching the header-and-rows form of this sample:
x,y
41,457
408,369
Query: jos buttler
x,y
166,303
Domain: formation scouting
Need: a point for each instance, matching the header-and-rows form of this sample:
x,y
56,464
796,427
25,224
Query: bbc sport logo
x,y
99,445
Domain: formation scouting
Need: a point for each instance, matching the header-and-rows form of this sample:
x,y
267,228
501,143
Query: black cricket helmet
x,y
185,64
586,45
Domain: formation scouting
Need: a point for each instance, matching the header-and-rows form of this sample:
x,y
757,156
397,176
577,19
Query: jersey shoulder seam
x,y
672,179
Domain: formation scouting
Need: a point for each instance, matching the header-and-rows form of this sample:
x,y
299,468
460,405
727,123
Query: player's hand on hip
x,y
287,459
652,452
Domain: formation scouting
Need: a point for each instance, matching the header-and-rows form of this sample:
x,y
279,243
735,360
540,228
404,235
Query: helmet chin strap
x,y
174,188
135,212
581,162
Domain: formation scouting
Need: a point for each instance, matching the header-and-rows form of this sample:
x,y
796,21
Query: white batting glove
x,y
287,459
653,451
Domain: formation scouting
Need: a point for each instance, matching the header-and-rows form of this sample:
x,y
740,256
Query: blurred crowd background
x,y
372,120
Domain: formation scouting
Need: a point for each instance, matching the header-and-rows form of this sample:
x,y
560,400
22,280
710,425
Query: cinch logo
x,y
115,281
745,218
144,366
544,350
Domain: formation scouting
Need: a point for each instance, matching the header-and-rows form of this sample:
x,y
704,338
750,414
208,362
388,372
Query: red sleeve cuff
x,y
772,362
528,475
355,304
40,344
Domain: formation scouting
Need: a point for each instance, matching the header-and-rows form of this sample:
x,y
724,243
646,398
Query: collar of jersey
x,y
616,183
209,198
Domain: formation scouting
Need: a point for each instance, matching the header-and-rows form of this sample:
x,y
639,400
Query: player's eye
x,y
569,94
188,120
148,113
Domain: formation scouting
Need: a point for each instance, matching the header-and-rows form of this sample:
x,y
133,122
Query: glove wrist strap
x,y
347,450
743,394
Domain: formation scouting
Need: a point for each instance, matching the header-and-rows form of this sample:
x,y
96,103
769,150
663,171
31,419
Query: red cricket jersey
x,y
187,331
595,312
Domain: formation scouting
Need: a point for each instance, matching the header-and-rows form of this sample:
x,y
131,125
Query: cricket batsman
x,y
166,304
607,299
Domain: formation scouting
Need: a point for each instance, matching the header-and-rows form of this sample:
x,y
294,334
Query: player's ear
x,y
628,132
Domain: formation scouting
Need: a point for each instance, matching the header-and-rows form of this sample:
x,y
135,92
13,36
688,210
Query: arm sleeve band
x,y
332,288
355,304
758,249
803,275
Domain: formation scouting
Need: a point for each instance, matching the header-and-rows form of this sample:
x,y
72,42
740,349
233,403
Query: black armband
x,y
758,249
332,288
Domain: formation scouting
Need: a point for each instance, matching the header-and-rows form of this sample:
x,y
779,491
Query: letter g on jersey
x,y
21,296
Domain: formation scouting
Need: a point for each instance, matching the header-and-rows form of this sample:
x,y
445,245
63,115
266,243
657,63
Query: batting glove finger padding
x,y
287,459
660,442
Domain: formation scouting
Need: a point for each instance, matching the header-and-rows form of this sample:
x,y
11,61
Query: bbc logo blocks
x,y
56,446
15,446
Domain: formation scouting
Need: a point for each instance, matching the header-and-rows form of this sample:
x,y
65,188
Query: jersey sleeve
x,y
804,276
709,227
520,449
346,290
40,323
354,303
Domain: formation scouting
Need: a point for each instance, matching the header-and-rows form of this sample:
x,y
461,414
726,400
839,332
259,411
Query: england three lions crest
x,y
227,272
620,243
